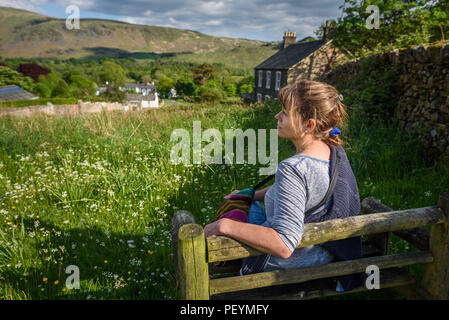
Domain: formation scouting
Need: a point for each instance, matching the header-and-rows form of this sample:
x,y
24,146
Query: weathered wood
x,y
381,240
192,265
418,237
180,218
393,277
223,248
279,277
436,275
233,266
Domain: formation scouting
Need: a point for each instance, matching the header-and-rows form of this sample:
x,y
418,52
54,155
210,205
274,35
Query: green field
x,y
98,191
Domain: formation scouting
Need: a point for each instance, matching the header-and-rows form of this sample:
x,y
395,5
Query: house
x,y
12,92
139,101
295,60
172,93
142,88
101,90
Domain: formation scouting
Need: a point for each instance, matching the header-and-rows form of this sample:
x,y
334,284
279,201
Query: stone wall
x,y
50,109
423,101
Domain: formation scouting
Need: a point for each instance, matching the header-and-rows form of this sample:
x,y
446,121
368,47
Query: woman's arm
x,y
260,195
261,238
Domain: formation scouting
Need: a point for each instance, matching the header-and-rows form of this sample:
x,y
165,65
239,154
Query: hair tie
x,y
340,97
335,131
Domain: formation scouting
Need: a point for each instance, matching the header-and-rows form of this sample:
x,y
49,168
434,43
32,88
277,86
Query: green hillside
x,y
26,34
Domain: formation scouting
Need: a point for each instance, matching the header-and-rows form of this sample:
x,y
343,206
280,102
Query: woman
x,y
311,112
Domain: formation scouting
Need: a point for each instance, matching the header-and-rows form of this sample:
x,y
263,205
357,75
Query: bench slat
x,y
394,277
233,266
223,248
279,277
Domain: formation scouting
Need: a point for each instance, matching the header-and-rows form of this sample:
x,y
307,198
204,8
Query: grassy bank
x,y
37,102
98,191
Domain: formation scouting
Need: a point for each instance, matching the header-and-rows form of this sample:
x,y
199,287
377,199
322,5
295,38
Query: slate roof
x,y
140,85
285,58
8,93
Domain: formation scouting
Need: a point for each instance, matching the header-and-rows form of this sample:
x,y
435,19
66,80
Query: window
x,y
267,97
268,80
259,97
278,81
260,78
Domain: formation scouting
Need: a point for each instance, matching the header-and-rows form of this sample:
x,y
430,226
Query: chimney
x,y
327,30
289,38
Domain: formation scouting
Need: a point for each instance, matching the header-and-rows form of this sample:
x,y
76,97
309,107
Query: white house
x,y
139,101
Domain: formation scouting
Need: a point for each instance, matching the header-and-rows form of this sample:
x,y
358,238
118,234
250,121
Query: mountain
x,y
25,34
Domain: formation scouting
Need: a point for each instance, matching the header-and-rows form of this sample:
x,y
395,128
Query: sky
x,y
264,20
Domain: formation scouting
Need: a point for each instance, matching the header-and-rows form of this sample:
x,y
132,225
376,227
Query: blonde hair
x,y
306,99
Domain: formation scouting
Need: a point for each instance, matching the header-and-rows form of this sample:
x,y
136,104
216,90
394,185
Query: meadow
x,y
98,191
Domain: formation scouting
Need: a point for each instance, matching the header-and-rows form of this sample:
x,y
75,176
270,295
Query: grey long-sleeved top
x,y
301,182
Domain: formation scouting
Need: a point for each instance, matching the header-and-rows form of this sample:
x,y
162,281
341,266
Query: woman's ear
x,y
310,125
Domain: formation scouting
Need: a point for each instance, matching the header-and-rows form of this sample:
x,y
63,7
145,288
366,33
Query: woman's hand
x,y
233,192
215,228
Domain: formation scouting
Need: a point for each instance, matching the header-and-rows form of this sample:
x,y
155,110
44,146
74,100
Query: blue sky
x,y
264,20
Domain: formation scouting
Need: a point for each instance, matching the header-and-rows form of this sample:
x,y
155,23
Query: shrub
x,y
42,90
61,90
210,95
11,77
230,90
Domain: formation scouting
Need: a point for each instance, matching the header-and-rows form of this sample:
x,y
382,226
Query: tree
x,y
185,86
82,88
61,90
203,73
114,94
50,80
33,70
145,78
246,85
112,73
42,90
11,77
164,86
402,23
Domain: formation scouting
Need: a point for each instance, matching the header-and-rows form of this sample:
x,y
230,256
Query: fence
x,y
195,255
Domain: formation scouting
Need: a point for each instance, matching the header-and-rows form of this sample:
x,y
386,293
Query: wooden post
x,y
193,273
436,275
180,218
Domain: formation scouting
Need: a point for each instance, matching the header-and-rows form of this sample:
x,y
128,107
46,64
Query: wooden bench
x,y
198,278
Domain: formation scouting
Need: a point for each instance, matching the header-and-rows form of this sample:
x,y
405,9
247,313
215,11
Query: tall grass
x,y
98,191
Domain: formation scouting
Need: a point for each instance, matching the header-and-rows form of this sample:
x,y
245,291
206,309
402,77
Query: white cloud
x,y
253,19
32,5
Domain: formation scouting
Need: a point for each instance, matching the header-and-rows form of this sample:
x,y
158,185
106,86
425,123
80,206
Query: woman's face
x,y
285,125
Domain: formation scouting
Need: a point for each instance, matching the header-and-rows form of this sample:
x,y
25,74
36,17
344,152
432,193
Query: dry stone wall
x,y
50,109
423,101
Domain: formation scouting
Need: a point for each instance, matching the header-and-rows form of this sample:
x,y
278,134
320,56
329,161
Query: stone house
x,y
296,60
141,88
139,101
